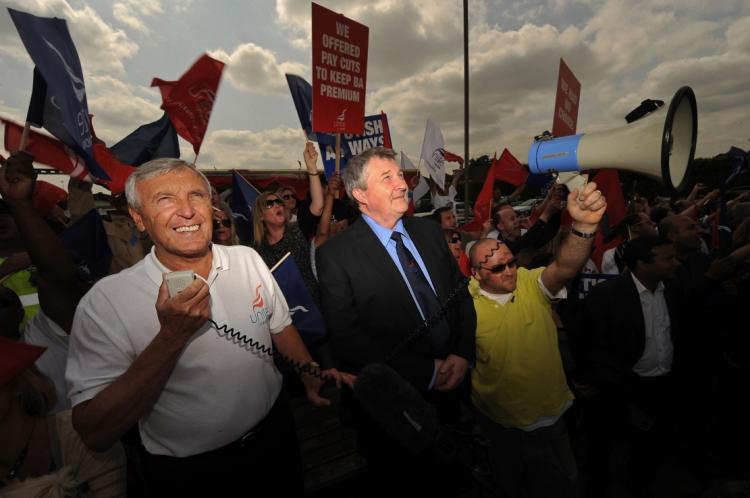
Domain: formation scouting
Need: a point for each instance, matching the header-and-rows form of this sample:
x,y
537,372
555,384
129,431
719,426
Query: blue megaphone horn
x,y
660,145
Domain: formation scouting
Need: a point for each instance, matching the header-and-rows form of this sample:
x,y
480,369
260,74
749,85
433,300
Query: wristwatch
x,y
310,366
583,235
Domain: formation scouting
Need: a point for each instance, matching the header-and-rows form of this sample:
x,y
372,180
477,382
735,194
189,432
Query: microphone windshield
x,y
397,406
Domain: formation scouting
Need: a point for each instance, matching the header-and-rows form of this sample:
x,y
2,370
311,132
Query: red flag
x,y
608,183
46,150
483,202
510,170
118,171
453,158
189,100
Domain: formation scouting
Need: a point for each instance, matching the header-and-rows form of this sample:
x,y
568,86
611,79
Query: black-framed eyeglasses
x,y
218,223
502,266
455,239
271,202
286,197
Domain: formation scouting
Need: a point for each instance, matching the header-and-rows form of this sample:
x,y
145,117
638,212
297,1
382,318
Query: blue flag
x,y
58,100
302,96
86,240
147,142
374,135
305,314
243,198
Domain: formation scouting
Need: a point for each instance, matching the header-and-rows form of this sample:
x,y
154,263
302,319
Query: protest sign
x,y
339,70
566,102
375,134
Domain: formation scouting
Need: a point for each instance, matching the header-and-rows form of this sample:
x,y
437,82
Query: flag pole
x,y
466,110
278,263
24,136
338,152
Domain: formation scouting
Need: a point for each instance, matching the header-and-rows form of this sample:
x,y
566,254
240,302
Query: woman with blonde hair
x,y
274,235
224,231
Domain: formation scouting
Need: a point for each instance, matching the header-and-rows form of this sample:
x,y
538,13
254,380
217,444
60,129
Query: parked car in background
x,y
526,207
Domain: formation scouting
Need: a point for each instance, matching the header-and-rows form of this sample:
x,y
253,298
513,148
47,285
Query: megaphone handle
x,y
572,180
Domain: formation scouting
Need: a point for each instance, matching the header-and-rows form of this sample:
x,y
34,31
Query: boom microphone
x,y
413,422
397,406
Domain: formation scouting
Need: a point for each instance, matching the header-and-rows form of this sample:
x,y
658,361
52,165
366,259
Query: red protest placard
x,y
566,102
339,69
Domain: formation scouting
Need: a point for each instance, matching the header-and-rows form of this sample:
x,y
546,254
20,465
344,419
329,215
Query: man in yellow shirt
x,y
518,385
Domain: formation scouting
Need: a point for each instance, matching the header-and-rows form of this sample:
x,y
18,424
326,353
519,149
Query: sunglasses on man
x,y
271,202
501,267
218,223
286,197
455,239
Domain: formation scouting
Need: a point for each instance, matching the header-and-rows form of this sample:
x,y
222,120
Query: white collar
x,y
642,288
155,269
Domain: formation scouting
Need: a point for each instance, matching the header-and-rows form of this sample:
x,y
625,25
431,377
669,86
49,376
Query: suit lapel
x,y
374,254
631,303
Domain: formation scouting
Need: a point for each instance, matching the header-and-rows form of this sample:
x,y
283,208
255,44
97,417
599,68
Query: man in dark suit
x,y
380,280
633,323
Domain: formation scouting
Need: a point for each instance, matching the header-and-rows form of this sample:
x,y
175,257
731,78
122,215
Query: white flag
x,y
432,153
420,190
406,162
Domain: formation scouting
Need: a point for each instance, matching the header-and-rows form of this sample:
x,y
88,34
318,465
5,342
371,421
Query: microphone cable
x,y
251,344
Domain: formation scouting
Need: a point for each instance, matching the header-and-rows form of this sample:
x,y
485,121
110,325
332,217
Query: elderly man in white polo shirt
x,y
207,402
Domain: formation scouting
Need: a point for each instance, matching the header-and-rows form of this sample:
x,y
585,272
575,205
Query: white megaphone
x,y
660,145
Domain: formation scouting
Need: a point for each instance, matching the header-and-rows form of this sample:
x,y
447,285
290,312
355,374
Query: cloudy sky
x,y
622,51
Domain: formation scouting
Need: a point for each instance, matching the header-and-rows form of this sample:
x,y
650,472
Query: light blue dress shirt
x,y
384,236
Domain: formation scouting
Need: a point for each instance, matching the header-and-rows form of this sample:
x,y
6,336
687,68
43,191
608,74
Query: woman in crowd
x,y
453,239
224,232
274,236
289,197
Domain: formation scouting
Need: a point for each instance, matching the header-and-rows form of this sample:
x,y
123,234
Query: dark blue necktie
x,y
426,298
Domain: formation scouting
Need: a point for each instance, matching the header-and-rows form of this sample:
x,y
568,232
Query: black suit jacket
x,y
368,308
618,331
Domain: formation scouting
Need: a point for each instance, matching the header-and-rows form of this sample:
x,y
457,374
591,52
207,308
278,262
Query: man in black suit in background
x,y
380,279
634,321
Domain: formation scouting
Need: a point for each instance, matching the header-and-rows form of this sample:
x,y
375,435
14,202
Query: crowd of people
x,y
585,358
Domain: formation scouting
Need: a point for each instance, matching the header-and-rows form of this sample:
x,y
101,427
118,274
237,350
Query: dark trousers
x,y
265,461
395,470
531,464
642,418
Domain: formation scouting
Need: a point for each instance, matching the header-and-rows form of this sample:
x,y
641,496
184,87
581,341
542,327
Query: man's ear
x,y
359,195
475,274
137,218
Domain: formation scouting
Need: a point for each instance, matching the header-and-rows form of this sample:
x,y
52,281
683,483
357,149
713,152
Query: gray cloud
x,y
255,69
244,149
101,48
132,12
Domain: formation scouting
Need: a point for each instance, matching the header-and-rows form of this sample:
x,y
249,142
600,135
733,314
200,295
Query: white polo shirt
x,y
218,390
